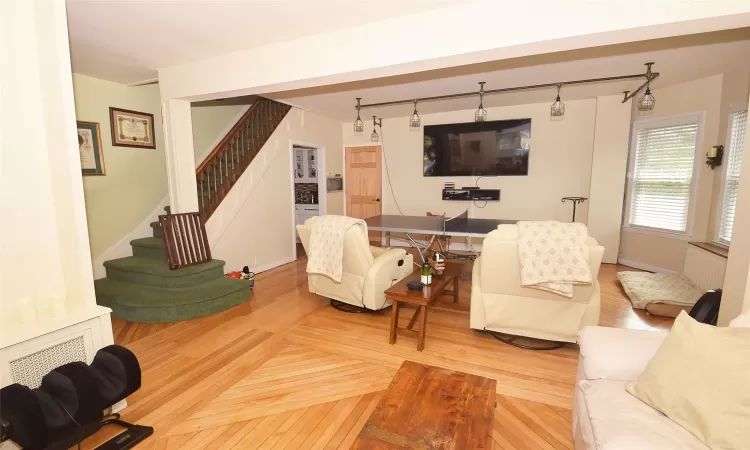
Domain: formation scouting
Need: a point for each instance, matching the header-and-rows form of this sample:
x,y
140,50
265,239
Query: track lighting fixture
x,y
359,126
374,137
481,114
647,102
557,110
415,121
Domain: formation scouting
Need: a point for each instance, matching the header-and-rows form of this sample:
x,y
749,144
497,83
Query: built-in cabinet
x,y
305,165
304,212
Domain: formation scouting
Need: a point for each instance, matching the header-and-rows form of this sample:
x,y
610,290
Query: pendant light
x,y
481,114
414,120
359,126
374,136
647,102
557,110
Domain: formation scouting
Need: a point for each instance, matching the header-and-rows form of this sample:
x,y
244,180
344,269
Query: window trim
x,y
680,119
720,200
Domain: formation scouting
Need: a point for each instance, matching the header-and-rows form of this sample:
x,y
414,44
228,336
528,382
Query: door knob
x,y
377,199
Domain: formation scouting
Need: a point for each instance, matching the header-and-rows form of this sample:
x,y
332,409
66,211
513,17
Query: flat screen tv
x,y
500,147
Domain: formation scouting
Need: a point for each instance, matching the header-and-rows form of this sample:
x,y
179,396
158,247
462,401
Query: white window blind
x,y
662,177
733,166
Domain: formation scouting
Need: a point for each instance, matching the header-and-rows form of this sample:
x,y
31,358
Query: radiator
x,y
704,269
29,369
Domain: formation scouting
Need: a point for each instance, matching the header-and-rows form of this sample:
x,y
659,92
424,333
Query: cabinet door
x,y
299,164
312,165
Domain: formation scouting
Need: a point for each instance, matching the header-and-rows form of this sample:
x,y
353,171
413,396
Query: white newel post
x,y
48,310
178,141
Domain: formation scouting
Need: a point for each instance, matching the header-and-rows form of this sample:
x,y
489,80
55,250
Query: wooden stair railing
x,y
185,240
229,159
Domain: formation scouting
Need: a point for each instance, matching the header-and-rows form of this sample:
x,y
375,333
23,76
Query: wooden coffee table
x,y
399,293
428,407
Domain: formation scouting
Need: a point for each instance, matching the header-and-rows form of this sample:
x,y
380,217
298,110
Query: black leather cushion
x,y
21,409
118,372
38,417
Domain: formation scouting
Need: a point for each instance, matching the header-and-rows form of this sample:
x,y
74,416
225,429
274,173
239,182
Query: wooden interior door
x,y
363,172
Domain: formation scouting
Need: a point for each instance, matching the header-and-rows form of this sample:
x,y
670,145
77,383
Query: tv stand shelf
x,y
471,194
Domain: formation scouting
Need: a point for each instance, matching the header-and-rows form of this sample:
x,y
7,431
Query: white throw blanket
x,y
327,244
553,256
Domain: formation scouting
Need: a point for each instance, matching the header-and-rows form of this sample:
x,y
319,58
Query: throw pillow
x,y
699,379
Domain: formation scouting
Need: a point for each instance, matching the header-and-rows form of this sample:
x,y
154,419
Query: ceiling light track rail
x,y
649,76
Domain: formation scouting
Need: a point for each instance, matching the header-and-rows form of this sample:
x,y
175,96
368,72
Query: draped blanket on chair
x,y
553,256
326,256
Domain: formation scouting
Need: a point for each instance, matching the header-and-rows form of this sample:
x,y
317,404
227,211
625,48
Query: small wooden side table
x,y
399,293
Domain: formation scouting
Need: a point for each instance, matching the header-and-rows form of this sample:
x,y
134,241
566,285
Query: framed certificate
x,y
90,148
132,128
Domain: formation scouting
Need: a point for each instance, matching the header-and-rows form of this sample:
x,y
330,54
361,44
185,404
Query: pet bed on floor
x,y
661,294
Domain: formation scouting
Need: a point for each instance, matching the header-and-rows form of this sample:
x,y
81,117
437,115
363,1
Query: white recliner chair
x,y
499,303
368,271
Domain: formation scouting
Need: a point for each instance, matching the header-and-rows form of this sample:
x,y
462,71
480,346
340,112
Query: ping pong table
x,y
432,226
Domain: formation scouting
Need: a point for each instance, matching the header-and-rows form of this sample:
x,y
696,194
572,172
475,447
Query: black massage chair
x,y
70,403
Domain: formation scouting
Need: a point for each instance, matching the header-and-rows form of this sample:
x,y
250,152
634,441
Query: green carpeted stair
x,y
142,288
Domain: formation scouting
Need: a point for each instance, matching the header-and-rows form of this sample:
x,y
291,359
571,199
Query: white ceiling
x,y
677,59
128,40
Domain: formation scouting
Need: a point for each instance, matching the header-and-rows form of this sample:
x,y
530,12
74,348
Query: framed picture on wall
x,y
90,148
132,128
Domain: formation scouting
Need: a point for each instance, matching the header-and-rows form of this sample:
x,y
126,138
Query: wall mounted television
x,y
499,147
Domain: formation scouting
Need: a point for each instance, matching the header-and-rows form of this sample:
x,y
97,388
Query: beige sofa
x,y
499,303
605,415
368,271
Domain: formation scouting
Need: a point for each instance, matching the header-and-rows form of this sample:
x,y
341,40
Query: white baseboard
x,y
273,265
643,266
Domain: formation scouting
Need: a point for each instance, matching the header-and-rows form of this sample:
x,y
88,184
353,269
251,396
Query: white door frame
x,y
322,194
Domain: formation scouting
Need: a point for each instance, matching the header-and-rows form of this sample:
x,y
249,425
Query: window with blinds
x,y
661,176
732,167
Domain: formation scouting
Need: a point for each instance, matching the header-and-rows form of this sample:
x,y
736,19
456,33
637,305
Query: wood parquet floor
x,y
285,370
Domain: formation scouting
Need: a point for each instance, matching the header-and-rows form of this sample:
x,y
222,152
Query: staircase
x,y
142,288
229,159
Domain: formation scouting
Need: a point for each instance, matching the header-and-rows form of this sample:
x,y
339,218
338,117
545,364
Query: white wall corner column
x,y
46,280
736,295
178,142
608,173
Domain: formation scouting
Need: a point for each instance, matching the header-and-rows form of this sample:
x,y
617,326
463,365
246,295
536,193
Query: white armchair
x,y
368,271
499,303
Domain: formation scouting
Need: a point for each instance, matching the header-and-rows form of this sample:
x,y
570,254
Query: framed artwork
x,y
132,128
90,148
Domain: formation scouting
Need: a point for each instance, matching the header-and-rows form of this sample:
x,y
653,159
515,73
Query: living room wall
x,y
254,224
559,165
663,252
136,178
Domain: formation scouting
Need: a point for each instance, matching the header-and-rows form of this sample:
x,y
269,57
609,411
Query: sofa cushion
x,y
699,378
619,421
616,353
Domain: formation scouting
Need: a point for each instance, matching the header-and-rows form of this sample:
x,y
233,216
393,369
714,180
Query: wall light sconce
x,y
714,156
